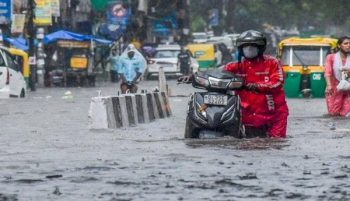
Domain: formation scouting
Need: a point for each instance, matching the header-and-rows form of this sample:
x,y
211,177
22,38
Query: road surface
x,y
48,153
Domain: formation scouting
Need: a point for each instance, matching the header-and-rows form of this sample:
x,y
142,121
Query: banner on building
x,y
214,17
5,11
55,8
118,13
43,15
110,31
18,21
100,5
164,25
17,6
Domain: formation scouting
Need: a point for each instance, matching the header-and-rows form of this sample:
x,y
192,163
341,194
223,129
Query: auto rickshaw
x,y
303,62
204,54
22,59
74,64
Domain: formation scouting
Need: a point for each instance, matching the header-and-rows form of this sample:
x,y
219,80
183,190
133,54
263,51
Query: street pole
x,y
40,57
30,30
1,37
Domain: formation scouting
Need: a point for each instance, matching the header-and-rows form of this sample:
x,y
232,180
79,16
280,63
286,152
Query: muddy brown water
x,y
48,153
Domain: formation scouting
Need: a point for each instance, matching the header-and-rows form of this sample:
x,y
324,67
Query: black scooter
x,y
215,112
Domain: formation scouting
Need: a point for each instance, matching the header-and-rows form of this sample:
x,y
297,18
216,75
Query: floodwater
x,y
47,152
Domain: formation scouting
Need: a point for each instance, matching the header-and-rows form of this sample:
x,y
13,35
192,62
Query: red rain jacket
x,y
268,101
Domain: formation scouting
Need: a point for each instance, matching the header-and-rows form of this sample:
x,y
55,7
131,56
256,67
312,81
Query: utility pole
x,y
40,57
1,37
31,31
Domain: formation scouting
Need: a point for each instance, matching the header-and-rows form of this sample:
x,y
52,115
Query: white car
x,y
199,37
12,83
166,57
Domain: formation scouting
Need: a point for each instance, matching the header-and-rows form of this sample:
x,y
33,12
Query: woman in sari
x,y
338,101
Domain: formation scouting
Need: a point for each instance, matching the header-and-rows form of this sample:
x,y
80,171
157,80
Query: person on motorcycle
x,y
130,70
264,108
262,98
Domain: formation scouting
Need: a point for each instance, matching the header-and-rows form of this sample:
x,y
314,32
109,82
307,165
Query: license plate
x,y
167,66
215,100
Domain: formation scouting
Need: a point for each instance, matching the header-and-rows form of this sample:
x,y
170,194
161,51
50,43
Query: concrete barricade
x,y
127,110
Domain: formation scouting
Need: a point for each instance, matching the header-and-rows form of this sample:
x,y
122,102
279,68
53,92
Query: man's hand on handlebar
x,y
252,86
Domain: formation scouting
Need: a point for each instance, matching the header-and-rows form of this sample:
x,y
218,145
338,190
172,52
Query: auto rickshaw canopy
x,y
317,41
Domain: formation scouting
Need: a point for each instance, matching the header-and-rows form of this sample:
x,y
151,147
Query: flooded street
x,y
48,153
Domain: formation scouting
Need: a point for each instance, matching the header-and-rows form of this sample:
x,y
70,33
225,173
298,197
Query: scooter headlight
x,y
201,81
218,83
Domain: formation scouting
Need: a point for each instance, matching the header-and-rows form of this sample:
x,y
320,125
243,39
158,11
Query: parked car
x,y
166,57
12,82
199,37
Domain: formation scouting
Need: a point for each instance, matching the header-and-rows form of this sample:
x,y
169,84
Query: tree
x,y
243,15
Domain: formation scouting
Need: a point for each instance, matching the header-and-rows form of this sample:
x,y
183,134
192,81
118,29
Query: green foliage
x,y
99,5
245,14
198,24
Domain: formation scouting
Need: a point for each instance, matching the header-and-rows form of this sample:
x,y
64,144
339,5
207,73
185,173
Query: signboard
x,y
214,17
117,13
43,16
99,5
18,23
55,8
73,44
5,11
111,31
32,60
78,62
163,25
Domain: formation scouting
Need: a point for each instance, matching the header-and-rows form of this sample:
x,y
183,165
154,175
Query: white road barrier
x,y
127,110
162,80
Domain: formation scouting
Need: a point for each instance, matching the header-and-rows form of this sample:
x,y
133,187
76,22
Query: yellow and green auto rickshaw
x,y
303,61
204,54
22,59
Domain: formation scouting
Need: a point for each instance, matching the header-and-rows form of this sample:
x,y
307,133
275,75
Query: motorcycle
x,y
215,112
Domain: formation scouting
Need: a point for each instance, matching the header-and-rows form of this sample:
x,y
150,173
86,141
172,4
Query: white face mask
x,y
250,52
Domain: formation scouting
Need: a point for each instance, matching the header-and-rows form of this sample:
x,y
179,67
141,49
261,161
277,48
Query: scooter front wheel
x,y
234,131
190,131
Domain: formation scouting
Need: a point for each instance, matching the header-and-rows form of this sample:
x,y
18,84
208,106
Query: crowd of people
x,y
263,101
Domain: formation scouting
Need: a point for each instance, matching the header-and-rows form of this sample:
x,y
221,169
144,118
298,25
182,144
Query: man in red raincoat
x,y
262,99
